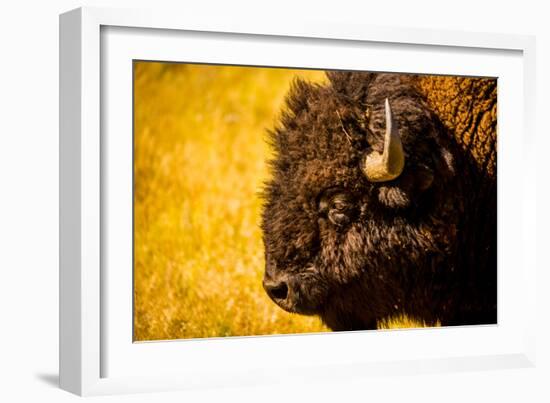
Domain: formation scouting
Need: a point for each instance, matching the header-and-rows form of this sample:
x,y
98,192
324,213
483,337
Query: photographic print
x,y
283,201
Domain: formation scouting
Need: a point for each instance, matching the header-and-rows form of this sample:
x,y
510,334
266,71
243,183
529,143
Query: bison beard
x,y
356,243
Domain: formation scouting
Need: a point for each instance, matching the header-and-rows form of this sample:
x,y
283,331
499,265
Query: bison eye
x,y
339,219
338,208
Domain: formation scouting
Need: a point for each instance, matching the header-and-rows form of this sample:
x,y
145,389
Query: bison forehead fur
x,y
354,251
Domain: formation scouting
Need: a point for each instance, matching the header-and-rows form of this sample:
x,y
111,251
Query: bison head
x,y
360,199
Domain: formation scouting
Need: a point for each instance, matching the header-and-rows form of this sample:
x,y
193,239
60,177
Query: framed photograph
x,y
241,201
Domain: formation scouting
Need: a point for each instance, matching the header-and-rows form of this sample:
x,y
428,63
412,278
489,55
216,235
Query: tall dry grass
x,y
200,161
200,155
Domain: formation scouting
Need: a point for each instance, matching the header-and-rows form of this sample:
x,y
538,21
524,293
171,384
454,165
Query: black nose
x,y
276,290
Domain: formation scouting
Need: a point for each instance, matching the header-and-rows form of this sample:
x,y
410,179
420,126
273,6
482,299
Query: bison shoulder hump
x,y
467,107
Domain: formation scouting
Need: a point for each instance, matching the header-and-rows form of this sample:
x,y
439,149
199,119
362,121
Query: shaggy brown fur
x,y
355,252
468,108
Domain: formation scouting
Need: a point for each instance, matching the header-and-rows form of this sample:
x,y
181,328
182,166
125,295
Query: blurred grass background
x,y
200,154
200,150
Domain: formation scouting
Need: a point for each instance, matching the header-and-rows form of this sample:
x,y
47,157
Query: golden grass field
x,y
200,161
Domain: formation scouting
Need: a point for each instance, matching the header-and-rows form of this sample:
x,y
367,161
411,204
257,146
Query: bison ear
x,y
448,162
411,184
423,178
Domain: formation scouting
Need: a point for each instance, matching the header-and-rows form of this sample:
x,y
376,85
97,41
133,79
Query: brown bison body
x,y
383,200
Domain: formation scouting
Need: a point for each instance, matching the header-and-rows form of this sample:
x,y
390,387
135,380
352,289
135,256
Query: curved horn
x,y
388,165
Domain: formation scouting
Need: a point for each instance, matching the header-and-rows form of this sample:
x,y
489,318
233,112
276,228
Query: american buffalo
x,y
382,200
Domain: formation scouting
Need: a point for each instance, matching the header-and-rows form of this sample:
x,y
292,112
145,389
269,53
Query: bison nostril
x,y
277,290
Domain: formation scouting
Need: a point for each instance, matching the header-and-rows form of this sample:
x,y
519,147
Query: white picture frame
x,y
98,357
